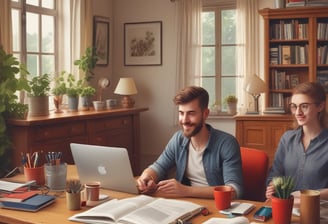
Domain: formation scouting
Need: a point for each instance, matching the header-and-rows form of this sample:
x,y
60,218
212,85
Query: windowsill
x,y
221,115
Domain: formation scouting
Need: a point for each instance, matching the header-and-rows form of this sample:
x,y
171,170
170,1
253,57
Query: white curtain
x,y
5,25
76,35
189,43
247,50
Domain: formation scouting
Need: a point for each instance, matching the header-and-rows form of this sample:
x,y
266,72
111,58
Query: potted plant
x,y
59,90
87,62
73,91
282,200
10,83
86,93
231,102
38,93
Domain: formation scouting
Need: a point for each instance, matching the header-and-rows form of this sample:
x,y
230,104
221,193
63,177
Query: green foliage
x,y
40,85
12,79
88,91
283,186
60,85
87,62
230,99
74,87
18,111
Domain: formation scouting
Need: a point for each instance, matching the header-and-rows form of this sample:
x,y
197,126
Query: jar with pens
x,y
33,170
55,171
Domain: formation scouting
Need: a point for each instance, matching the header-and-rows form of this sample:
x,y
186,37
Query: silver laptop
x,y
108,165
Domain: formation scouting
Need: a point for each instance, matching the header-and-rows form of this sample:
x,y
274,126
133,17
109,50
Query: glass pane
x,y
208,61
48,4
228,61
209,85
15,16
208,26
228,87
32,2
32,32
48,34
48,64
33,64
228,34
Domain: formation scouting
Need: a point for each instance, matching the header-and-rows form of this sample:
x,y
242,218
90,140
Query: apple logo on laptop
x,y
102,170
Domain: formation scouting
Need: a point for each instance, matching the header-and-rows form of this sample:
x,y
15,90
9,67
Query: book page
x,y
236,220
160,211
111,211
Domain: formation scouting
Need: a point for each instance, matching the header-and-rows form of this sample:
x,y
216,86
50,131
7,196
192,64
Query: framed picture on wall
x,y
143,43
101,38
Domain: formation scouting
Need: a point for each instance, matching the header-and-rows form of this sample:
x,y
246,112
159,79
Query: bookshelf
x,y
295,50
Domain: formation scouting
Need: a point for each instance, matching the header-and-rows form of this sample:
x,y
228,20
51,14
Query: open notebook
x,y
108,165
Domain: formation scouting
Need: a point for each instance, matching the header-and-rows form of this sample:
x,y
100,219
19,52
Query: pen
x,y
183,219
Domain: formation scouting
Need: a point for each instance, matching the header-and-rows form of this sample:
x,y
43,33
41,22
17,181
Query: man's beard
x,y
197,128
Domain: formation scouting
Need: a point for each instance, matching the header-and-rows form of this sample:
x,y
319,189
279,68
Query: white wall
x,y
155,83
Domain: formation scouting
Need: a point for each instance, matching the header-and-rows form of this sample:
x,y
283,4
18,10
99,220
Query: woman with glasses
x,y
302,153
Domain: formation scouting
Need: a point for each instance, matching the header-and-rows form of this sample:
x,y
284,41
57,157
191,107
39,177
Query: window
x,y
34,39
219,52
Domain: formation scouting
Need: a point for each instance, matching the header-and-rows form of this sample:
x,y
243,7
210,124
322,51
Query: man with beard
x,y
203,157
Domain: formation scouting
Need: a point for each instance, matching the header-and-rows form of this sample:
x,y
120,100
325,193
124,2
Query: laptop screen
x,y
108,165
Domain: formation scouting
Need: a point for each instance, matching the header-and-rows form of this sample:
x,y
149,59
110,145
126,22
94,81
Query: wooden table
x,y
58,213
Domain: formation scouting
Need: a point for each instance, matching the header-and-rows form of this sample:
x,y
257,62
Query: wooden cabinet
x,y
295,50
262,131
117,127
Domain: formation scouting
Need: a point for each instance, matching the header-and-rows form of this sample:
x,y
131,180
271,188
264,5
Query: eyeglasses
x,y
303,107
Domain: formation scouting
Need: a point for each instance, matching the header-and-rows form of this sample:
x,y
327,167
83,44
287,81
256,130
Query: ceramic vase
x,y
282,210
58,100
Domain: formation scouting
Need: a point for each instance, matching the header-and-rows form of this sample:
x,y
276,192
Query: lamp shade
x,y
126,86
255,85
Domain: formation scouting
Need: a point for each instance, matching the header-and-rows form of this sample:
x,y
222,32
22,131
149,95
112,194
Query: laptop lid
x,y
108,165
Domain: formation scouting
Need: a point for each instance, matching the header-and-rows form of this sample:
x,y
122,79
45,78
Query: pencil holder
x,y
73,201
35,173
55,176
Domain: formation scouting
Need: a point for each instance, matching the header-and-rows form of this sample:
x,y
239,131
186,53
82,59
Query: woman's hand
x,y
269,191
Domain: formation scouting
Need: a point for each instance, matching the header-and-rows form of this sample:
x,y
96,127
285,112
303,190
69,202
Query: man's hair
x,y
191,93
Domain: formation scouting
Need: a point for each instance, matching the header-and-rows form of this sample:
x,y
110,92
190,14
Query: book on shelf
x,y
141,209
274,110
17,196
322,78
32,204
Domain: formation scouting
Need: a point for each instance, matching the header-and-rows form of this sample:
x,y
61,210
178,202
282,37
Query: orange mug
x,y
222,197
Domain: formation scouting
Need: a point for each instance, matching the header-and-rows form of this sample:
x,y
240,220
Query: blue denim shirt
x,y
221,159
309,168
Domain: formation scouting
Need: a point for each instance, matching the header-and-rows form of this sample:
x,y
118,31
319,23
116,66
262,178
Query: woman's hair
x,y
317,93
191,93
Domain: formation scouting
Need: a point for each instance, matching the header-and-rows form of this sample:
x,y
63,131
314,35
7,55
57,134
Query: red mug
x,y
222,197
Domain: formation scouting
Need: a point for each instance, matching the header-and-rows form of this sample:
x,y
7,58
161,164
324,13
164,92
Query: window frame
x,y
22,53
217,8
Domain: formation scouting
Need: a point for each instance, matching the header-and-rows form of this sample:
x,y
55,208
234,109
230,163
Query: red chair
x,y
255,164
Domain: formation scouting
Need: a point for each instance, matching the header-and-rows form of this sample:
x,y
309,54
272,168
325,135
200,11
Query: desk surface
x,y
58,213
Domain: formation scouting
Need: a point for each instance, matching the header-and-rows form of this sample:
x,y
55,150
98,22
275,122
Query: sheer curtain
x,y
5,25
247,50
189,43
74,36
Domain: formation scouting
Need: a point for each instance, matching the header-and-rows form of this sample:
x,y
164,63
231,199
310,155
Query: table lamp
x,y
126,87
255,86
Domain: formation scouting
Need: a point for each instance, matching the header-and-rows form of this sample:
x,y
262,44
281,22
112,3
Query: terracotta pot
x,y
282,210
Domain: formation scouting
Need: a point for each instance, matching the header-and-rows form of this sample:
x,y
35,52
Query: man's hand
x,y
146,184
171,187
269,191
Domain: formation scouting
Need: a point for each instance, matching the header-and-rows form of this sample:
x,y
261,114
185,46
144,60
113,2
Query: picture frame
x,y
101,39
143,43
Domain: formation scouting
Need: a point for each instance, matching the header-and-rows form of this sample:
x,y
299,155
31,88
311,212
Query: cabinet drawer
x,y
108,124
59,131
